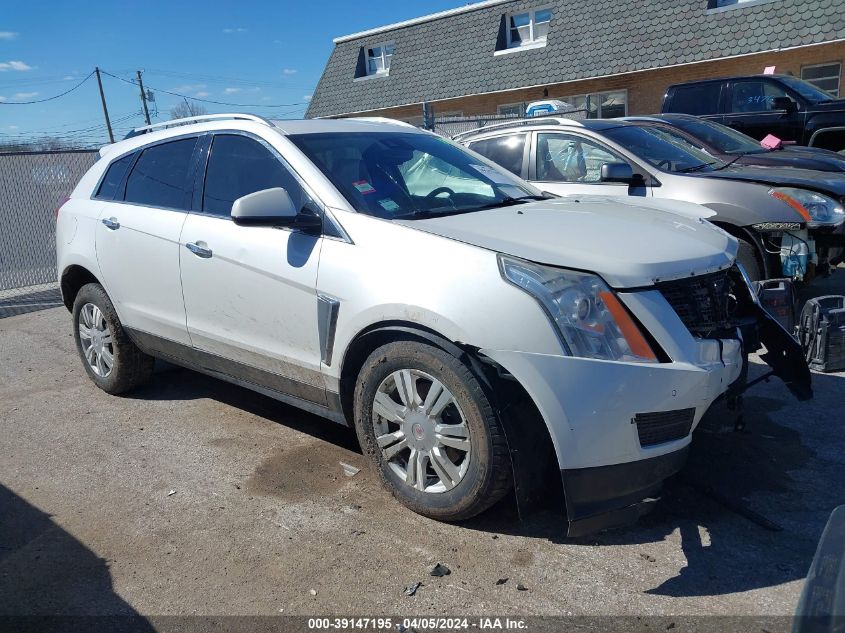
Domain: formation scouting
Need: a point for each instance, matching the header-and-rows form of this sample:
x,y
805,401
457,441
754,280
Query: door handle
x,y
111,223
199,251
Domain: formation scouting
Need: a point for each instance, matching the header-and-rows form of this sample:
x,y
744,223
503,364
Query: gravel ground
x,y
191,496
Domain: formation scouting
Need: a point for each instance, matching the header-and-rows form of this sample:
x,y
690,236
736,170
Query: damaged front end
x,y
724,305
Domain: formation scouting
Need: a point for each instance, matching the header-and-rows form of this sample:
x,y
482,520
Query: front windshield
x,y
406,175
724,139
807,90
665,150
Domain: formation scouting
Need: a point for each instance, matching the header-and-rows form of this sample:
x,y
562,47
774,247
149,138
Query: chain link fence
x,y
32,186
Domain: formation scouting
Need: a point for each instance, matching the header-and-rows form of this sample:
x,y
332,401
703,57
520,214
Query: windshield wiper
x,y
726,165
422,214
689,170
509,202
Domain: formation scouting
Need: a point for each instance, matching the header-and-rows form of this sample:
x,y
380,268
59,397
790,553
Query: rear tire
x,y
109,356
462,458
747,256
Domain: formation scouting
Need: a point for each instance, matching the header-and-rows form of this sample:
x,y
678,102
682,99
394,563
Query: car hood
x,y
629,244
831,183
836,105
821,160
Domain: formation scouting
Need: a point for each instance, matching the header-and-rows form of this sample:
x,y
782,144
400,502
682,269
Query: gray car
x,y
784,230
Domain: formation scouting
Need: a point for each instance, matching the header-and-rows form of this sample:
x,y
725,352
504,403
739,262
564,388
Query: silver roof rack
x,y
146,129
539,120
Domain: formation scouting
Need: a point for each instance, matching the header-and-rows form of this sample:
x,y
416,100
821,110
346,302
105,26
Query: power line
x,y
48,98
234,105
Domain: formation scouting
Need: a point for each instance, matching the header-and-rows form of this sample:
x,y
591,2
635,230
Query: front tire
x,y
426,423
109,356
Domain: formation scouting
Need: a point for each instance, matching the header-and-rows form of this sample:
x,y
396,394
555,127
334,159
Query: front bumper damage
x,y
611,471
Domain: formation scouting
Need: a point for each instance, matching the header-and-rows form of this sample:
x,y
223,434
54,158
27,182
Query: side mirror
x,y
617,172
784,103
272,207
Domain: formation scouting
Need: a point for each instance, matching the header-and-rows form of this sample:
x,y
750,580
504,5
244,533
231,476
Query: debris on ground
x,y
440,570
521,587
349,470
410,590
648,557
171,493
501,581
313,592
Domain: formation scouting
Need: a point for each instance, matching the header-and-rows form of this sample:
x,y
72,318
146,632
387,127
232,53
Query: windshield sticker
x,y
364,187
388,204
493,174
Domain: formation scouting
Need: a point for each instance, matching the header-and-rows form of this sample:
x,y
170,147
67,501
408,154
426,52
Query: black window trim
x,y
120,192
202,169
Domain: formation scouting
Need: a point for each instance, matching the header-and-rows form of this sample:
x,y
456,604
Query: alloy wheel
x,y
421,431
96,340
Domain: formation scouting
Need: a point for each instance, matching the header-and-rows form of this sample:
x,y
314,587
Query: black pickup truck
x,y
785,106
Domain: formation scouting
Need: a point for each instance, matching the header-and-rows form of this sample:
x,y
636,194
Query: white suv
x,y
386,278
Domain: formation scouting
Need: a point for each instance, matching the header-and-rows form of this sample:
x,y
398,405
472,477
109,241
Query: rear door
x,y
570,164
137,237
751,110
250,291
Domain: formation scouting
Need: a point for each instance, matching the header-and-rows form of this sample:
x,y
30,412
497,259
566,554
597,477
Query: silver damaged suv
x,y
470,329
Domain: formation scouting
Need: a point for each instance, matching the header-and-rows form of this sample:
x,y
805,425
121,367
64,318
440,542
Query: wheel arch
x,y
753,238
532,453
73,278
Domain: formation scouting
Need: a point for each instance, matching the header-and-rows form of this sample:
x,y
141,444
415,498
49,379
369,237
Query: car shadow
x,y
49,580
749,506
29,302
170,382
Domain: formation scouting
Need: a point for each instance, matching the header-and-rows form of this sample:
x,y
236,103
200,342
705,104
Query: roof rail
x,y
381,119
146,129
538,120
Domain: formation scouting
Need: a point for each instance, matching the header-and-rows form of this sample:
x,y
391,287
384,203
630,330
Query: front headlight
x,y
589,319
816,208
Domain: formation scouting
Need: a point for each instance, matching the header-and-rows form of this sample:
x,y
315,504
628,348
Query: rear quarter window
x,y
114,176
695,99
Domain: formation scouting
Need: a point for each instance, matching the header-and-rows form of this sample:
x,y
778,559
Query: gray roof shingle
x,y
453,56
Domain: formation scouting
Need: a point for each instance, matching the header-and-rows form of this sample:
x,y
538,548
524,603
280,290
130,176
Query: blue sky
x,y
263,53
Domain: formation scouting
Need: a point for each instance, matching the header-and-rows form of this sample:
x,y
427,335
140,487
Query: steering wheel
x,y
436,192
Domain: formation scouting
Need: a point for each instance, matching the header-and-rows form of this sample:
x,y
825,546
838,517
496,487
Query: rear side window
x,y
696,99
160,177
238,166
507,151
113,178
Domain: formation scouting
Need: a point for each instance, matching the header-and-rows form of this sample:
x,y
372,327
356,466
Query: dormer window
x,y
529,28
378,59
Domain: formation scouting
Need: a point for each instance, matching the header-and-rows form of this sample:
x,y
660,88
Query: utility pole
x,y
143,98
105,109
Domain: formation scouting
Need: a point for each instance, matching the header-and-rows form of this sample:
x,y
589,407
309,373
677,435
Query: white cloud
x,y
13,127
68,77
14,65
277,41
190,89
8,35
240,29
25,95
2,98
289,71
231,91
201,94
308,97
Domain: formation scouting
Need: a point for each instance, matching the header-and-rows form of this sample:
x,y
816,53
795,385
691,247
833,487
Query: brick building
x,y
611,57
